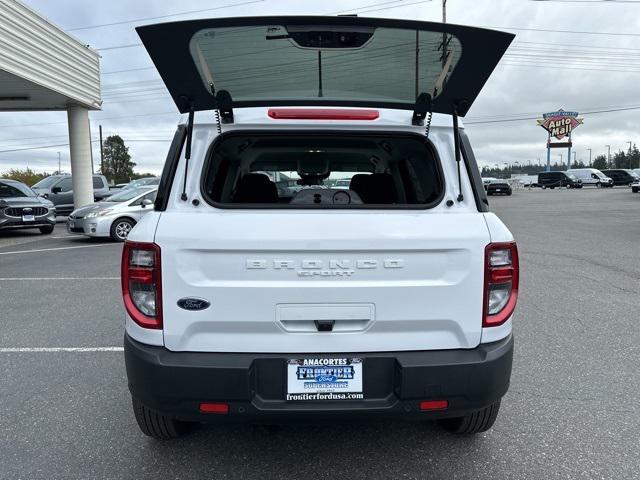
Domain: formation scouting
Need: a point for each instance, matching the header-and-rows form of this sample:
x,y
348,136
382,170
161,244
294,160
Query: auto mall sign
x,y
560,124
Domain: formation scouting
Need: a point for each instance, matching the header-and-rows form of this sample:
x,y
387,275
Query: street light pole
x,y
589,156
629,163
444,11
608,156
574,157
59,172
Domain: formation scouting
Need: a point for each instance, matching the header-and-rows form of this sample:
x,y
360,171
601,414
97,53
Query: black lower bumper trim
x,y
254,385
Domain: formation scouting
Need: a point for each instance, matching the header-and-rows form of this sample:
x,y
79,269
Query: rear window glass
x,y
97,182
278,63
322,171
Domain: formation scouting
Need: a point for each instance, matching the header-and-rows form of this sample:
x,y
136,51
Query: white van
x,y
591,176
394,297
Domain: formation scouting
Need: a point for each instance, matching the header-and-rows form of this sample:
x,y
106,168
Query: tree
x,y
26,176
600,162
116,165
620,160
633,157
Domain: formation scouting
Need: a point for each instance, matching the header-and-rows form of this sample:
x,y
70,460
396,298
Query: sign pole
x,y
569,153
548,169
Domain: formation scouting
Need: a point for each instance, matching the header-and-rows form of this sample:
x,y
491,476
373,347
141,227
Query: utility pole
x,y
101,153
629,163
574,157
59,172
560,159
608,156
444,11
589,156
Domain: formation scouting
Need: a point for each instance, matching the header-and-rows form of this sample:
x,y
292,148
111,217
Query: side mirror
x,y
56,189
44,195
146,202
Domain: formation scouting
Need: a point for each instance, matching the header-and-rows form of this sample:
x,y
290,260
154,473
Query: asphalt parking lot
x,y
572,410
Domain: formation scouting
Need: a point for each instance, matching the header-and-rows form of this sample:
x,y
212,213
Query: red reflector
x,y
434,405
219,408
141,275
322,114
501,275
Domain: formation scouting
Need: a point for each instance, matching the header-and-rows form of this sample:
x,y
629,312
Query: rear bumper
x,y
254,385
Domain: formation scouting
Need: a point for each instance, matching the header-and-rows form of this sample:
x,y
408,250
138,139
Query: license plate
x,y
498,190
312,379
28,218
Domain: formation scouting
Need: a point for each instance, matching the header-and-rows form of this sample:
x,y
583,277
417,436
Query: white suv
x,y
392,297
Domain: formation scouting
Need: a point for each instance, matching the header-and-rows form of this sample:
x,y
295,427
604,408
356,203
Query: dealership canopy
x,y
44,68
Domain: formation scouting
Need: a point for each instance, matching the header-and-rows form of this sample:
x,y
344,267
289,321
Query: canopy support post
x,y
456,146
187,152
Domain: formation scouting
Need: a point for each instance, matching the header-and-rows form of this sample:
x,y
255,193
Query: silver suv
x,y
21,207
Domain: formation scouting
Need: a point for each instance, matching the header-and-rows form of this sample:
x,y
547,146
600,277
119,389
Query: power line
x,y
159,17
577,32
360,9
44,147
522,119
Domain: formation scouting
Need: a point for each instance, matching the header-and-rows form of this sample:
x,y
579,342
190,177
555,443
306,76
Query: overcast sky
x,y
541,72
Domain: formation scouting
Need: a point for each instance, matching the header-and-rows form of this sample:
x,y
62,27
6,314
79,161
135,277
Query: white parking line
x,y
60,349
59,248
36,279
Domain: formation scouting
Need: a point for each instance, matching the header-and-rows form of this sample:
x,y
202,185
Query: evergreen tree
x,y
600,162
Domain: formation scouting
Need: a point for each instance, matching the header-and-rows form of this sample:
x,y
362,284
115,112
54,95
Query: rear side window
x,y
66,185
97,182
265,170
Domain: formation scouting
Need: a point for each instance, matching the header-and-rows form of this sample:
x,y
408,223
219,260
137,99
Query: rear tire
x,y
46,230
157,425
120,229
475,422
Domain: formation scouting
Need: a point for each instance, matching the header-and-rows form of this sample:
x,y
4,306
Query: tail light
x,y
141,283
501,279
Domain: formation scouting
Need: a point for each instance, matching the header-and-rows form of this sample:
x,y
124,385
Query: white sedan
x,y
115,216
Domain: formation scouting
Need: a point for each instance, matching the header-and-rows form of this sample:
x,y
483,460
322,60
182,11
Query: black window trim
x,y
170,167
473,173
207,164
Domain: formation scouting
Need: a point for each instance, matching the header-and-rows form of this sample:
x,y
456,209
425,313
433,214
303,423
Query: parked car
x,y
394,297
343,184
558,179
59,190
21,207
499,187
487,180
591,176
115,216
528,180
622,176
143,182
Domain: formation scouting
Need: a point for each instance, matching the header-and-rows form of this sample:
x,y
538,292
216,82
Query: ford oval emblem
x,y
193,304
